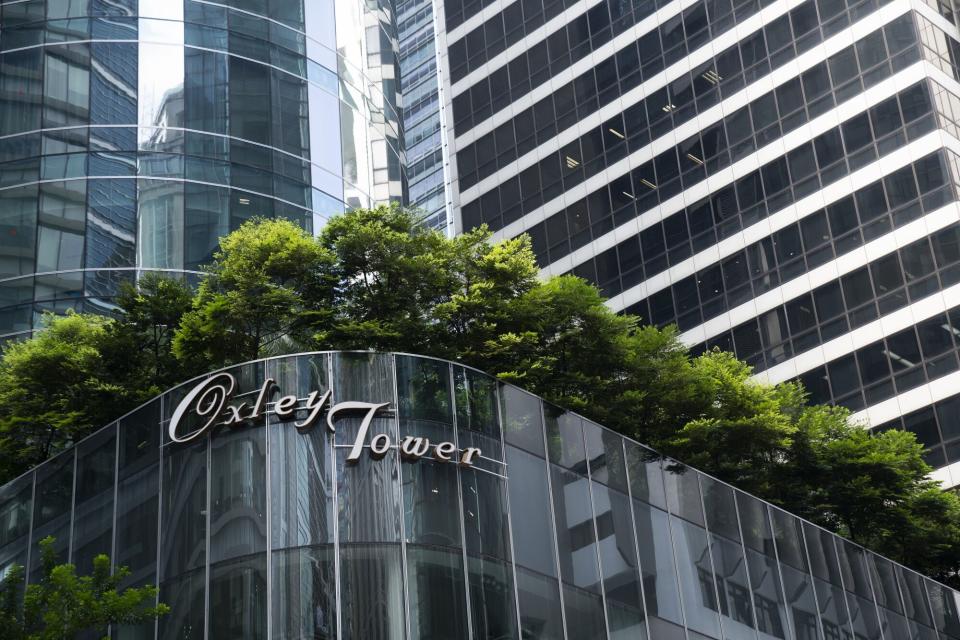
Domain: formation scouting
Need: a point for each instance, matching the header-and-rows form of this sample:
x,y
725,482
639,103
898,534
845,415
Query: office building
x,y
777,178
134,134
423,133
518,520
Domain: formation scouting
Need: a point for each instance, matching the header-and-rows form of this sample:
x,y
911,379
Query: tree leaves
x,y
375,279
62,604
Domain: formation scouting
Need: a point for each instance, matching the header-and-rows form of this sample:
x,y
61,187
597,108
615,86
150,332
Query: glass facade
x,y
423,128
776,178
559,530
135,133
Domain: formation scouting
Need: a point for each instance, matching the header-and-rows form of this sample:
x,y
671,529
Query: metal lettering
x,y
207,400
469,453
411,447
315,406
235,412
261,402
444,451
379,445
210,399
371,410
285,406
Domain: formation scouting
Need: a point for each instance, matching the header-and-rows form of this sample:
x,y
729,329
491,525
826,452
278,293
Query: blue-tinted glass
x,y
606,457
540,615
797,581
683,491
576,538
15,511
185,597
646,477
238,598
765,578
944,603
53,502
423,388
238,498
733,588
887,593
826,571
184,509
371,592
492,604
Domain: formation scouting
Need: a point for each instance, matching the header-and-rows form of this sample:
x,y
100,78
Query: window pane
x,y
530,507
371,588
696,577
522,424
96,462
576,539
618,562
304,601
436,591
238,598
492,606
540,615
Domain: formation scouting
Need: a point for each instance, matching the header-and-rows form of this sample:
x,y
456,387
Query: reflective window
x,y
371,592
523,426
437,602
304,593
95,477
238,597
530,506
618,562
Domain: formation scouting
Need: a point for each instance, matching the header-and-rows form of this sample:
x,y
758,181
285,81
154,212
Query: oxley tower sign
x,y
210,403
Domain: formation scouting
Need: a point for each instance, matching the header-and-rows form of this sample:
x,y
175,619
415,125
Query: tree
x,y
399,284
375,279
56,388
266,283
80,371
62,604
400,287
151,311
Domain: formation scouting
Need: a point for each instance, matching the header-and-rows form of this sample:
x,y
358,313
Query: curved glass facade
x,y
558,529
135,133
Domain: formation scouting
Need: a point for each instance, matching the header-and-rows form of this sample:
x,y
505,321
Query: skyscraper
x,y
777,178
423,133
134,134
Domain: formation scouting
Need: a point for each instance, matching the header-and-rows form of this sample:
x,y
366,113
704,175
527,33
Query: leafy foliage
x,y
62,604
54,389
267,281
83,370
374,279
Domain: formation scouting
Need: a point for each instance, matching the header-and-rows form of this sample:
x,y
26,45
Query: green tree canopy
x,y
62,604
376,279
268,281
80,371
54,389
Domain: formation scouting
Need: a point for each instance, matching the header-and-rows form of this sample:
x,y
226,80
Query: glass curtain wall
x,y
135,133
560,530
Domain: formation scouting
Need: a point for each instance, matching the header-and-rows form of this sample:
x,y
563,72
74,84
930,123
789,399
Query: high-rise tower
x,y
133,134
778,178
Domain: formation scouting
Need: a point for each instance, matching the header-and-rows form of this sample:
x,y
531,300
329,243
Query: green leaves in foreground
x,y
62,604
